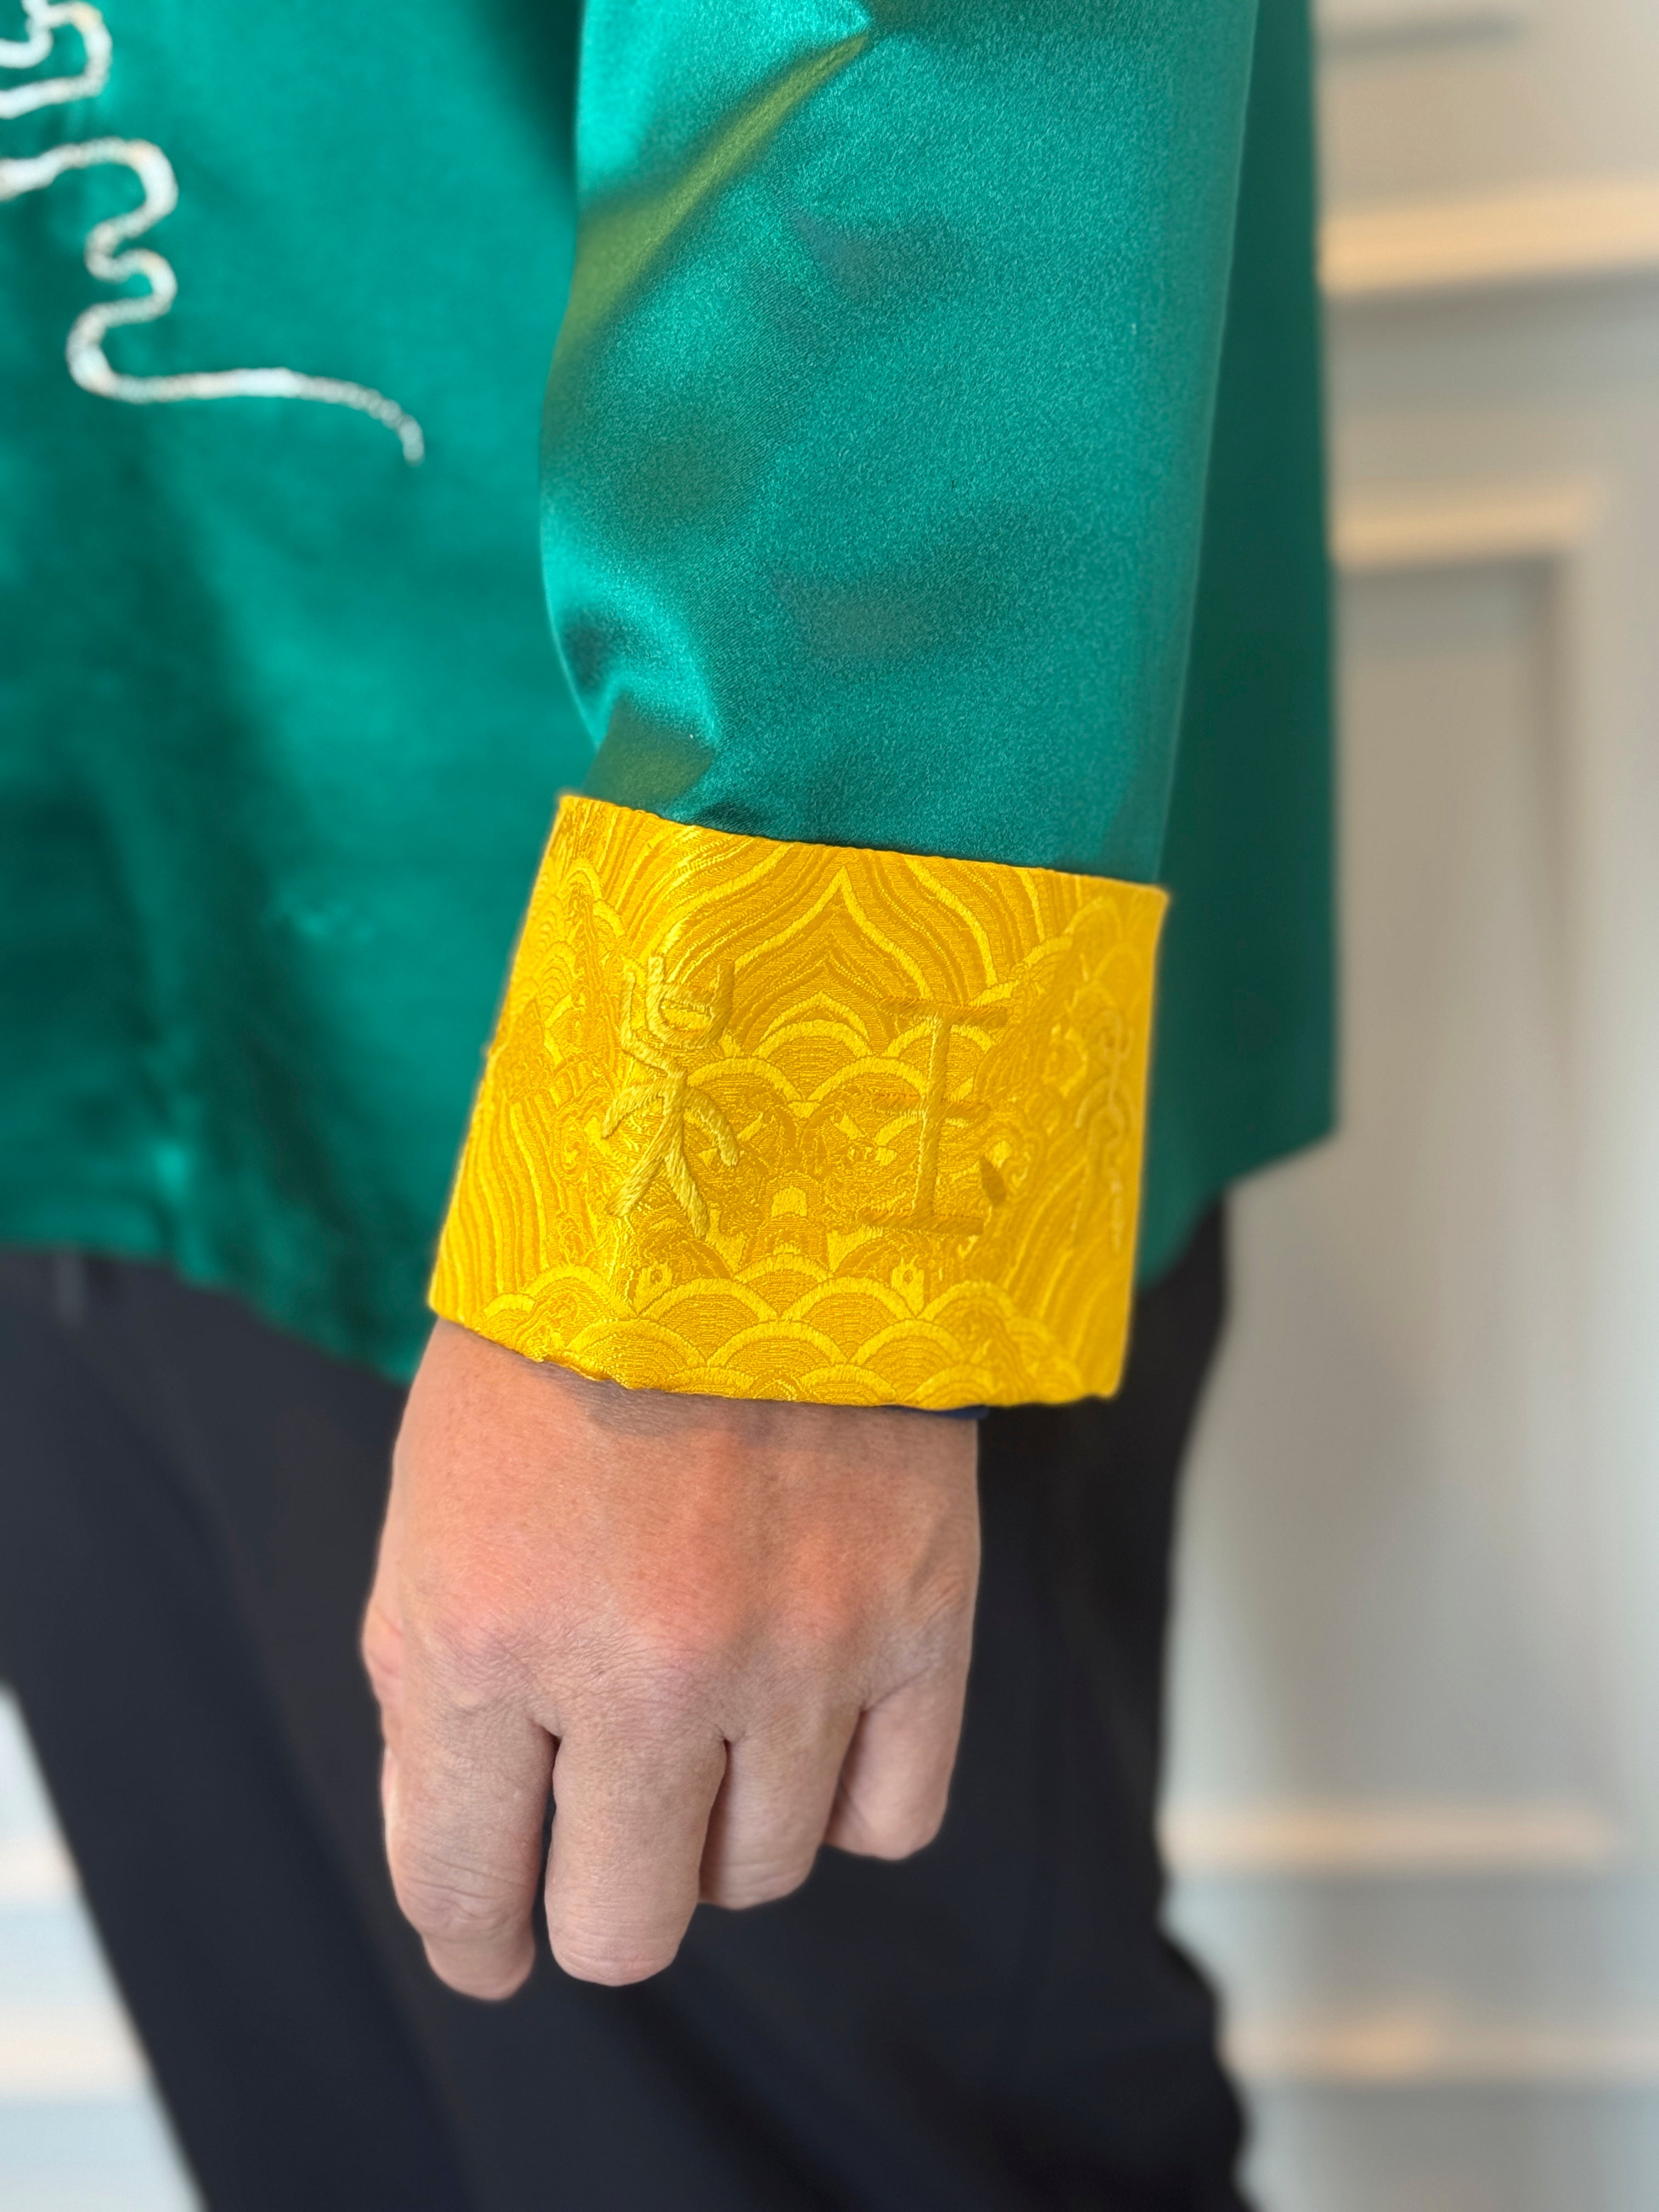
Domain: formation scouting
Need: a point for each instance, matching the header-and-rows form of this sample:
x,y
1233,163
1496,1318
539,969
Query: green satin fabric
x,y
878,444
281,728
876,433
1244,1060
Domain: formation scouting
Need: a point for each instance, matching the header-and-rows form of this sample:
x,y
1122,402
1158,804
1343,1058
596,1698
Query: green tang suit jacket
x,y
932,532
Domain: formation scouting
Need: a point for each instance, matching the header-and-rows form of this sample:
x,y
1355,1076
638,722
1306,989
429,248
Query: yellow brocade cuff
x,y
802,1122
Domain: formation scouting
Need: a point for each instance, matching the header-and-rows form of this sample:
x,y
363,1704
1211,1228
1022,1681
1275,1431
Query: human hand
x,y
725,1632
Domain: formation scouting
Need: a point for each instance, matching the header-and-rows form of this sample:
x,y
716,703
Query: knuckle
x,y
955,1588
475,1649
674,1655
892,1836
445,1908
826,1639
914,1834
490,1979
382,1647
739,1889
612,1961
672,1662
941,1612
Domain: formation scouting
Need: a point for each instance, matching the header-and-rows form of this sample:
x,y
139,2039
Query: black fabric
x,y
188,1503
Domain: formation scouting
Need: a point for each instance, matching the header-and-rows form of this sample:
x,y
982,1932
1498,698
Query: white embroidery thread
x,y
43,19
88,364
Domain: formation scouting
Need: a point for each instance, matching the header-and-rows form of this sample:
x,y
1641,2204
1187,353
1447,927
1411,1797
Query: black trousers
x,y
188,1506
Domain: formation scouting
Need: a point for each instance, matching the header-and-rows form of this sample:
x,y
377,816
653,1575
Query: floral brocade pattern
x,y
803,1122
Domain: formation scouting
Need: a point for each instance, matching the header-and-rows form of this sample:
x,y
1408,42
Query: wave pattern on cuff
x,y
805,1122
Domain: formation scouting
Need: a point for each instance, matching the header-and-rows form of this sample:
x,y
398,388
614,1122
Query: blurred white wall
x,y
1416,1785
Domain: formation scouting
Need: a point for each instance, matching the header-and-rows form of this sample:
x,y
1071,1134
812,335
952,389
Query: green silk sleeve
x,y
1244,1064
877,432
876,447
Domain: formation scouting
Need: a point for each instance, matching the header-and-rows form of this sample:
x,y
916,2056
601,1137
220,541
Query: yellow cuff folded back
x,y
803,1122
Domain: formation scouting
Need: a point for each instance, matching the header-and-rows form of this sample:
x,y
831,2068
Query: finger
x,y
465,1799
896,1777
771,1811
631,1813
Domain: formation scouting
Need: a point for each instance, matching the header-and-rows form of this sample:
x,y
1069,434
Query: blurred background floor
x,y
80,2127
